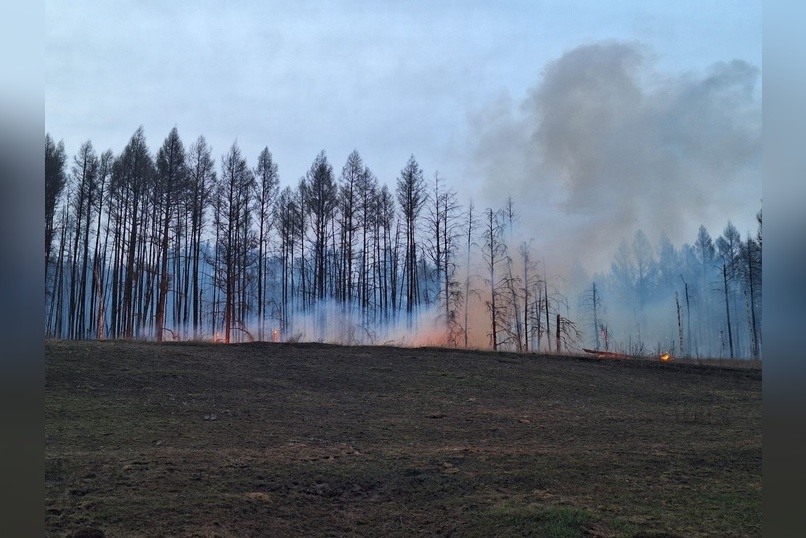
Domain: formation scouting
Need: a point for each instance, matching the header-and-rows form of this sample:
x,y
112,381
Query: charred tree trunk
x,y
546,304
727,308
679,322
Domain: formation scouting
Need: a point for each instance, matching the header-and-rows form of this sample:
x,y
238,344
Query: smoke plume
x,y
605,145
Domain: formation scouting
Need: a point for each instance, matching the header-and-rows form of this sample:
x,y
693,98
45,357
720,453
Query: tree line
x,y
179,245
710,291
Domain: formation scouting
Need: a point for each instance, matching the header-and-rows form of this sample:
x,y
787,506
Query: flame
x,y
665,357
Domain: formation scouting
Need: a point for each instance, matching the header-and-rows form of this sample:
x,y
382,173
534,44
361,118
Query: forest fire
x,y
665,357
320,289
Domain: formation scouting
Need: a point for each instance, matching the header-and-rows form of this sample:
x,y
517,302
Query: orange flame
x,y
665,357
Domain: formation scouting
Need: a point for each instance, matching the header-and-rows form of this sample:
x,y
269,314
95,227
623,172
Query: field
x,y
260,439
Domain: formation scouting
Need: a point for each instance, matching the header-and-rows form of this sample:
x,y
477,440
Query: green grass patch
x,y
519,519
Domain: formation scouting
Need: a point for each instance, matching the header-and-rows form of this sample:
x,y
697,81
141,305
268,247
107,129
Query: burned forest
x,y
176,244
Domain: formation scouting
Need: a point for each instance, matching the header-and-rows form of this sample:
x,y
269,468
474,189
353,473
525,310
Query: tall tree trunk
x,y
546,304
679,322
163,288
596,315
100,291
727,308
129,283
751,278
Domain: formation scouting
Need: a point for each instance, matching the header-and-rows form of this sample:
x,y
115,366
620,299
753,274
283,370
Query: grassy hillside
x,y
198,439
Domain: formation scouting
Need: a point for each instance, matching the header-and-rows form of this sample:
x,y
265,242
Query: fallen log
x,y
610,354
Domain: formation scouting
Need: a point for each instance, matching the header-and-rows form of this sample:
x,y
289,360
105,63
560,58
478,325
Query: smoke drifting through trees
x,y
176,245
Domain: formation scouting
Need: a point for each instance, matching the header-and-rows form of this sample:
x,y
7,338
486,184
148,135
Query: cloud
x,y
605,145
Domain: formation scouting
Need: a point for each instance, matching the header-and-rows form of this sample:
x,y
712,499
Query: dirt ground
x,y
261,439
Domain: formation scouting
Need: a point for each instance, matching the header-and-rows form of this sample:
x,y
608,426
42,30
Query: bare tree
x,y
319,192
202,179
55,322
301,228
84,177
470,225
132,177
55,181
728,247
705,258
288,215
726,290
493,254
531,281
98,293
591,303
267,181
232,196
411,196
388,257
511,304
368,214
353,185
443,220
751,273
567,333
171,185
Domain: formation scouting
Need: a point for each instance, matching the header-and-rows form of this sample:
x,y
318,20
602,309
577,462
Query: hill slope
x,y
196,439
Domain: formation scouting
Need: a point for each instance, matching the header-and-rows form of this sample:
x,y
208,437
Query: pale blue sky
x,y
388,79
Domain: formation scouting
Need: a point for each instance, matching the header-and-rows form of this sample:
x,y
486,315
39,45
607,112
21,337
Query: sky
x,y
598,118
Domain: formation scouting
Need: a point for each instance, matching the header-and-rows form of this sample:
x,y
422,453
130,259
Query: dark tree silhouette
x,y
411,196
267,181
132,178
170,187
202,179
55,181
319,192
494,253
232,197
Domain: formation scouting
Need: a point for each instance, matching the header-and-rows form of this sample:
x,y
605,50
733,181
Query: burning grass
x,y
196,439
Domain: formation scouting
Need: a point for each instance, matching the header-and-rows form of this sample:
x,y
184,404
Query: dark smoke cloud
x,y
605,145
